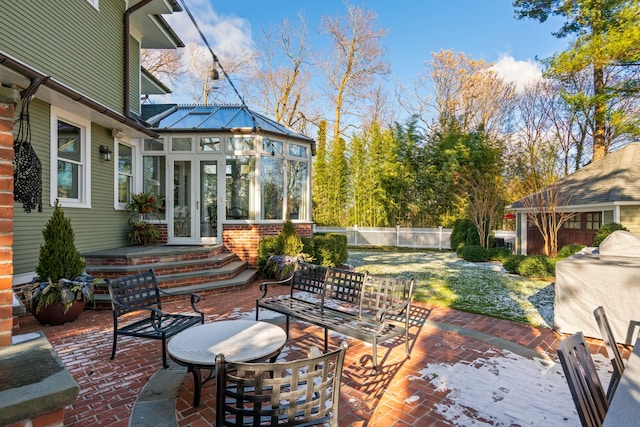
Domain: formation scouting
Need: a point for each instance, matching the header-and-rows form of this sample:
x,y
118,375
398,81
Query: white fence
x,y
430,238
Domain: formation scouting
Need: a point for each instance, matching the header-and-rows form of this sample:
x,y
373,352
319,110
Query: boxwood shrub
x,y
537,266
512,262
474,253
568,250
605,230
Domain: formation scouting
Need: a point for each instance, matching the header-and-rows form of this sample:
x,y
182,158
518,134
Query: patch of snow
x,y
506,390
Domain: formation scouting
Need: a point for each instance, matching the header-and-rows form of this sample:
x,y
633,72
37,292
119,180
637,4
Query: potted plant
x,y
142,233
59,293
287,251
142,203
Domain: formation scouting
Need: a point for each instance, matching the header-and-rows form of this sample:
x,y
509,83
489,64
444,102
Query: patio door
x,y
192,214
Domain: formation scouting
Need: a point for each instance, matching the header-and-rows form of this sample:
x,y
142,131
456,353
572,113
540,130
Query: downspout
x,y
127,60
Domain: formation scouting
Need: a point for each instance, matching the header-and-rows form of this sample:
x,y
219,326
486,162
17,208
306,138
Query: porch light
x,y
106,153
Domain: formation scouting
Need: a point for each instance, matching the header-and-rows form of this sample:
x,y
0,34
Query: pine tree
x,y
59,257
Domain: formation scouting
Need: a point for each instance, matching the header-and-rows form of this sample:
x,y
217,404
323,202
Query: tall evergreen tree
x,y
606,34
320,178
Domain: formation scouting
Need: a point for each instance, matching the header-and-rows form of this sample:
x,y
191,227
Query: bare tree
x,y
547,210
164,64
459,88
358,58
204,88
284,80
486,203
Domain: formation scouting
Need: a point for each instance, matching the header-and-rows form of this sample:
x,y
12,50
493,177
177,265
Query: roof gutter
x,y
127,49
29,72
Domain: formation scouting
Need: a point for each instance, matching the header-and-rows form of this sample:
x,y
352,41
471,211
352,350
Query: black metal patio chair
x,y
612,350
586,389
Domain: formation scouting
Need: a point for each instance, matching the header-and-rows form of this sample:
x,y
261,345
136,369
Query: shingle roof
x,y
184,118
614,178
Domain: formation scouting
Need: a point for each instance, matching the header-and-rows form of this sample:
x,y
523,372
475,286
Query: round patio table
x,y
239,341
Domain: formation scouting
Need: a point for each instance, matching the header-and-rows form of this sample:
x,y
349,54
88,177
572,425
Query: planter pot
x,y
145,209
55,315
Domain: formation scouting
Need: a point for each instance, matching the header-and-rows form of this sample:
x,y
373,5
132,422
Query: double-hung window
x,y
125,156
70,159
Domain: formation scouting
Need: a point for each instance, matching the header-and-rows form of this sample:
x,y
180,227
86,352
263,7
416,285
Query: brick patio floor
x,y
109,388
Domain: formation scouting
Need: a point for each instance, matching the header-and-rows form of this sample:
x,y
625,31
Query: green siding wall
x,y
134,57
70,41
98,228
630,218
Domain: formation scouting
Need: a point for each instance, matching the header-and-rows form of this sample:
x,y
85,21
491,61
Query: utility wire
x,y
213,55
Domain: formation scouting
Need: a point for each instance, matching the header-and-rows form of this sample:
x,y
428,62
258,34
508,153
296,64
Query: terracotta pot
x,y
55,315
145,209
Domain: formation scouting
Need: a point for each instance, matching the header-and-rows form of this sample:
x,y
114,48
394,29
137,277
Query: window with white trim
x,y
70,159
125,156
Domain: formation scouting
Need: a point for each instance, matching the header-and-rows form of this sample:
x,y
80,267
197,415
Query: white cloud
x,y
226,35
521,73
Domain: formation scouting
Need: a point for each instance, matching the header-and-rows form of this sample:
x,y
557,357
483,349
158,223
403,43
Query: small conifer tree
x,y
289,243
59,257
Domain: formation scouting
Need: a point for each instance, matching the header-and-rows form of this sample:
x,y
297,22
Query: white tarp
x,y
611,279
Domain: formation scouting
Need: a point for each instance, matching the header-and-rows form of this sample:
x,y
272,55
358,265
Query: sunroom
x,y
222,174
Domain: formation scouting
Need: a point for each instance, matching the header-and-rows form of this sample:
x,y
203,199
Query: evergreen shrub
x,y
59,258
605,230
474,253
537,266
512,262
464,232
568,250
499,254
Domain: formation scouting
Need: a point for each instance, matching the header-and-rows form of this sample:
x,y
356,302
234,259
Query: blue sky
x,y
483,29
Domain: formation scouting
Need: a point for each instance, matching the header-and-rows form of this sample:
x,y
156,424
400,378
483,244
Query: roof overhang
x,y
150,85
16,74
156,33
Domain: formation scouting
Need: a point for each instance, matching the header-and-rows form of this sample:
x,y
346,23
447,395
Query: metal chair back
x,y
612,350
297,393
580,371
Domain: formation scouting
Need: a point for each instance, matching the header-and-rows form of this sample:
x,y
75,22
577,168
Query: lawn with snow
x,y
483,288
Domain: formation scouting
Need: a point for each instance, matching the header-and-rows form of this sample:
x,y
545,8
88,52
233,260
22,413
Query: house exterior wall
x,y
134,75
97,228
630,218
72,41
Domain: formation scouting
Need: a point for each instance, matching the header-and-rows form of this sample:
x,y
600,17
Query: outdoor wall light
x,y
106,153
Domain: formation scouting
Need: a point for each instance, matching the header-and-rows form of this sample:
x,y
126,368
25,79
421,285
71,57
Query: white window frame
x,y
95,4
84,191
116,171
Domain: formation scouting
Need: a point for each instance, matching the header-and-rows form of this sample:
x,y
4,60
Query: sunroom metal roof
x,y
189,118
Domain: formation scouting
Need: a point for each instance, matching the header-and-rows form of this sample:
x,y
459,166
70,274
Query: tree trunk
x,y
600,107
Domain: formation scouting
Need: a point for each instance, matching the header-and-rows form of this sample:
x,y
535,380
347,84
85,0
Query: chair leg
x,y
164,353
375,357
113,348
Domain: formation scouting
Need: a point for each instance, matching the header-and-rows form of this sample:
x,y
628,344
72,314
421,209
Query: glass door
x,y
181,209
208,201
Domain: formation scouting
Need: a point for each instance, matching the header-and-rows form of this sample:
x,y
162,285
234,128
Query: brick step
x,y
244,277
137,255
164,267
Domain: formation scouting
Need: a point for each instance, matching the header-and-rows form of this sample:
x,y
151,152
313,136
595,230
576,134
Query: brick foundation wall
x,y
243,239
7,108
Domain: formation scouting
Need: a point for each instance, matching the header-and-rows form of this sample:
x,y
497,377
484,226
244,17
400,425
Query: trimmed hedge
x,y
499,254
474,253
537,266
512,262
